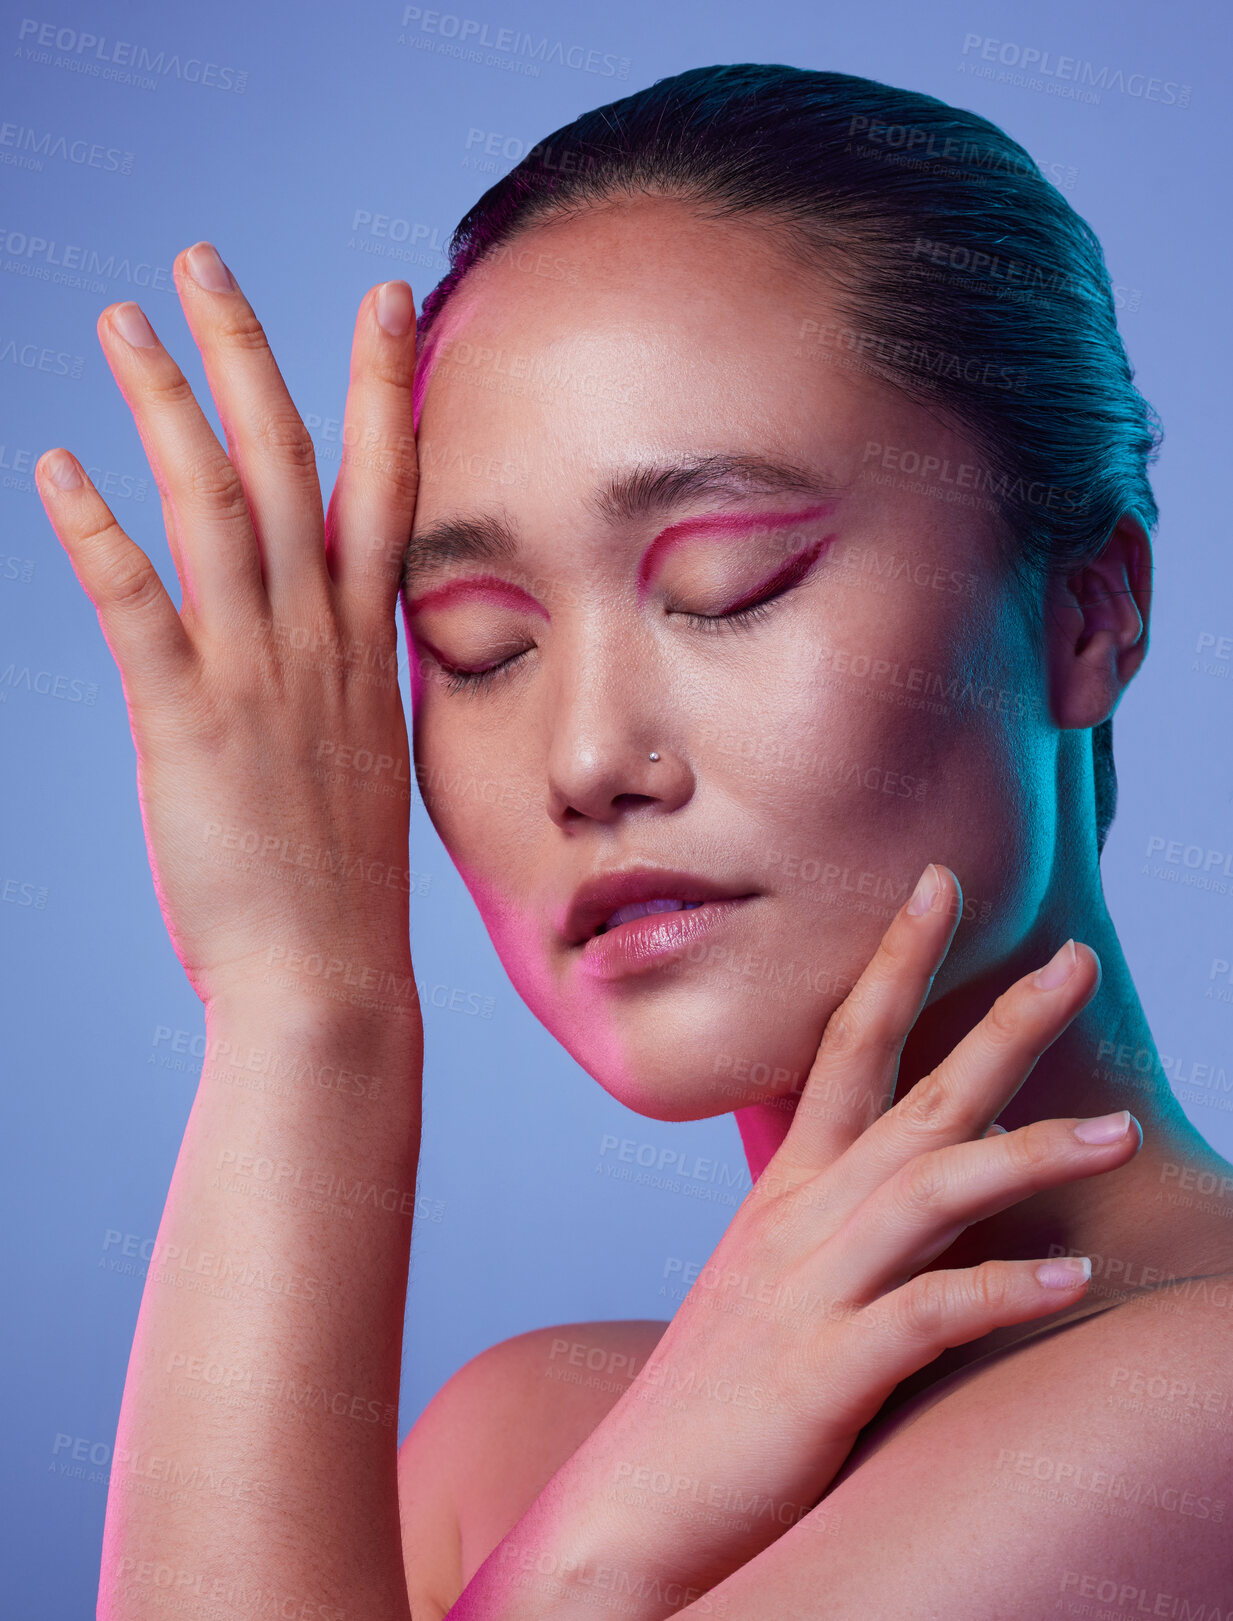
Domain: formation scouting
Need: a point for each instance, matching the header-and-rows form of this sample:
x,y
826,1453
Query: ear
x,y
1097,621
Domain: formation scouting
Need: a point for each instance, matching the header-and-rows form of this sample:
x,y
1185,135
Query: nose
x,y
611,713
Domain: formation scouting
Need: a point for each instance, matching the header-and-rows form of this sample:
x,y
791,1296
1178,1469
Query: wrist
x,y
361,1039
361,982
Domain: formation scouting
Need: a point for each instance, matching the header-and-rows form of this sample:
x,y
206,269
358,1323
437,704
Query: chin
x,y
687,1044
691,1064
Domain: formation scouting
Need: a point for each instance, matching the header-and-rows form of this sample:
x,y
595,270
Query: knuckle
x,y
922,1182
987,1286
131,582
168,388
929,1105
928,1308
240,328
1003,1022
92,539
391,461
283,436
843,1033
401,474
919,1308
214,482
787,1185
393,372
770,1223
1030,1149
895,952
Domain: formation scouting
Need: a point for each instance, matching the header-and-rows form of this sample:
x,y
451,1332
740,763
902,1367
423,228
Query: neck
x,y
1136,1223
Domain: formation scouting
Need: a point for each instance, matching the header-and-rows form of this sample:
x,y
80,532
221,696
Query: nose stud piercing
x,y
654,756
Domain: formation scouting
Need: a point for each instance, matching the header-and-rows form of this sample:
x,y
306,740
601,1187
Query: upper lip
x,y
595,900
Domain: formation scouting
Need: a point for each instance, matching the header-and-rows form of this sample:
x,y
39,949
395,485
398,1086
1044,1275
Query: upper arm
x,y
1043,1486
427,1510
492,1438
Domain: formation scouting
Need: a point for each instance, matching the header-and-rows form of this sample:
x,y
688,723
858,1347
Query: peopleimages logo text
x,y
1076,70
475,32
92,49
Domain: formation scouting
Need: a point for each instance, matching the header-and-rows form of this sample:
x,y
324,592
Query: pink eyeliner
x,y
721,523
481,585
725,523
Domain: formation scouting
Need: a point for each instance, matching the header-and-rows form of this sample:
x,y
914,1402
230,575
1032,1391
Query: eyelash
x,y
475,681
472,681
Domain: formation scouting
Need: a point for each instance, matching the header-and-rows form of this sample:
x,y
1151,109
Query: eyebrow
x,y
642,492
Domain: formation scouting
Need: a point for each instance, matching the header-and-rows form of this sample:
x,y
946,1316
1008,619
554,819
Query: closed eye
x,y
740,614
734,618
474,681
748,609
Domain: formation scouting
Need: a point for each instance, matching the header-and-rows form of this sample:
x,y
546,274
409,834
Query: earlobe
x,y
1099,627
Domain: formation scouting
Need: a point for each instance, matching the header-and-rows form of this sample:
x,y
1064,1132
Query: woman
x,y
779,528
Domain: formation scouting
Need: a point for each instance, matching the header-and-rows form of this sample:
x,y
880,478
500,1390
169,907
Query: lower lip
x,y
654,940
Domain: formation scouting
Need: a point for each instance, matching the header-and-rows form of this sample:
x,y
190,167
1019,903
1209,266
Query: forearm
x,y
256,1450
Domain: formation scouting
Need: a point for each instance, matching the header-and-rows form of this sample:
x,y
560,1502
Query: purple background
x,y
324,149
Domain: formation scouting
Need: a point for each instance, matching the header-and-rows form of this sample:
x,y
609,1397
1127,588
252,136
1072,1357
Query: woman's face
x,y
596,404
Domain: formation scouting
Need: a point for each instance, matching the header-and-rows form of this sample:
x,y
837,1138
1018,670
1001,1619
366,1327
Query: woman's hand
x,y
272,760
814,1305
272,754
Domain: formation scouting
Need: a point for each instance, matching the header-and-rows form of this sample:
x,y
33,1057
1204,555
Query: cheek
x,y
836,779
891,737
481,804
810,720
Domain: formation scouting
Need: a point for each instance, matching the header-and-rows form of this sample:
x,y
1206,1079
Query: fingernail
x,y
1104,1128
395,308
1065,1272
63,470
926,888
995,1130
131,324
208,270
1058,969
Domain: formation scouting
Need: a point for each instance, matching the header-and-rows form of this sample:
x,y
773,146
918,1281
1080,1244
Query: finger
x,y
858,1058
267,442
373,502
908,1328
956,1102
212,539
146,635
919,1212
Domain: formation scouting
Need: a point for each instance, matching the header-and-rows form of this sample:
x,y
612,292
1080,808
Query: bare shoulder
x,y
1092,1464
492,1438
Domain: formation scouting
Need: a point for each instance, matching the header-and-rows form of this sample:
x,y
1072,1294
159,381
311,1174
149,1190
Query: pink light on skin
x,y
708,524
719,523
653,934
487,585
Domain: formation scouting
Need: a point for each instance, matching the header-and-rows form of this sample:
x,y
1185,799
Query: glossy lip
x,y
595,900
654,940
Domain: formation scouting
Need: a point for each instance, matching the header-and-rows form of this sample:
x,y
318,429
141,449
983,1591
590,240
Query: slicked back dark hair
x,y
963,276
